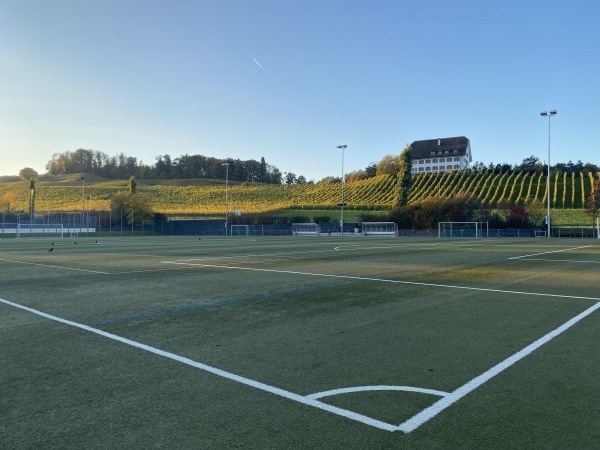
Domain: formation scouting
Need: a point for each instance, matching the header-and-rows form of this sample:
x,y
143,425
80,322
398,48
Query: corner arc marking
x,y
353,389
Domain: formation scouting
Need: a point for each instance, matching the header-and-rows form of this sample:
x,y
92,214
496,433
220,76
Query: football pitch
x,y
291,342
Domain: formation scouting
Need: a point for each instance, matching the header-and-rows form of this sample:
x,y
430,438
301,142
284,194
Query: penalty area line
x,y
554,251
384,280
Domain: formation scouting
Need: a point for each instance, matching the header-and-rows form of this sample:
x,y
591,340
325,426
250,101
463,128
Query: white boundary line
x,y
432,411
382,280
222,373
562,260
310,400
554,251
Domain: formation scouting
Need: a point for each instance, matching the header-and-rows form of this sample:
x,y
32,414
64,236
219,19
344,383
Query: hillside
x,y
204,197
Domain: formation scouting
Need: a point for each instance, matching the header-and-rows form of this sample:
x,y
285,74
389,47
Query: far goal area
x,y
247,230
463,229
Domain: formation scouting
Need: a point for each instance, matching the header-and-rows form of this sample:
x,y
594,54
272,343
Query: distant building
x,y
440,155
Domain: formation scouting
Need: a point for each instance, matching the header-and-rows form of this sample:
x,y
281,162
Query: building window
x,y
420,161
456,166
435,167
421,169
428,169
435,160
427,161
457,159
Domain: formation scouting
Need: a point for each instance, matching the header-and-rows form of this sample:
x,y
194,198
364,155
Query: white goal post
x,y
247,230
379,228
306,229
463,229
240,230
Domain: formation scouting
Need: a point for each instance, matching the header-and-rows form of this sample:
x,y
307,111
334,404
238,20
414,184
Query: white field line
x,y
222,373
300,252
433,410
547,253
54,267
383,280
562,260
377,388
310,400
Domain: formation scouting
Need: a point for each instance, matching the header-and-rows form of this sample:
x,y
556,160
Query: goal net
x,y
240,230
306,229
462,229
21,230
379,229
247,230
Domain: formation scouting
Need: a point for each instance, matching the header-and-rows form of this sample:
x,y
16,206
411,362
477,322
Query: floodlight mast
x,y
342,147
226,196
548,114
82,204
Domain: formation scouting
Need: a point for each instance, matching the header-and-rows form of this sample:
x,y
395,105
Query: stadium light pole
x,y
548,114
226,196
342,147
82,203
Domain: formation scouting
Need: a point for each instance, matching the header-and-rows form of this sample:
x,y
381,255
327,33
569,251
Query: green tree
x,y
137,208
390,164
529,164
27,172
404,175
132,184
536,210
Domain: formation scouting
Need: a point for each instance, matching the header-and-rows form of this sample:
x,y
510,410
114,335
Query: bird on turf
x,y
74,242
51,249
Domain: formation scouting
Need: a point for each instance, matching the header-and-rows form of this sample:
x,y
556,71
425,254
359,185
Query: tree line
x,y
122,166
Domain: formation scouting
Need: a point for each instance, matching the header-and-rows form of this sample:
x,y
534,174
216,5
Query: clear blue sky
x,y
149,77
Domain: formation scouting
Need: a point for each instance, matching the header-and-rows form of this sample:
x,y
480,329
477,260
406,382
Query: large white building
x,y
440,155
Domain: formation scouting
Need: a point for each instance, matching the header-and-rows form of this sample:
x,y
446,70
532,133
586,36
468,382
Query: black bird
x,y
52,243
199,239
74,242
51,249
96,242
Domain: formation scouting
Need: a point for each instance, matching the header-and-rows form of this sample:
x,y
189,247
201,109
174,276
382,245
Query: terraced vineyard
x,y
568,191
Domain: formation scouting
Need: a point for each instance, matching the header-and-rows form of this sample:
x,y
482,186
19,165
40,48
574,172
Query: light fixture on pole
x,y
82,202
226,197
342,147
548,114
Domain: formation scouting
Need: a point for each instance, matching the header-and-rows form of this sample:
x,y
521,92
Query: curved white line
x,y
331,392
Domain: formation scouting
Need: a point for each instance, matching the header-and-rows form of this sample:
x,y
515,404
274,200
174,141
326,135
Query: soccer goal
x,y
247,230
240,230
379,229
463,229
540,233
21,230
306,229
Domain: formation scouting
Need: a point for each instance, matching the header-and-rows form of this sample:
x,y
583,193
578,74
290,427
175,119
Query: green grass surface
x,y
300,315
